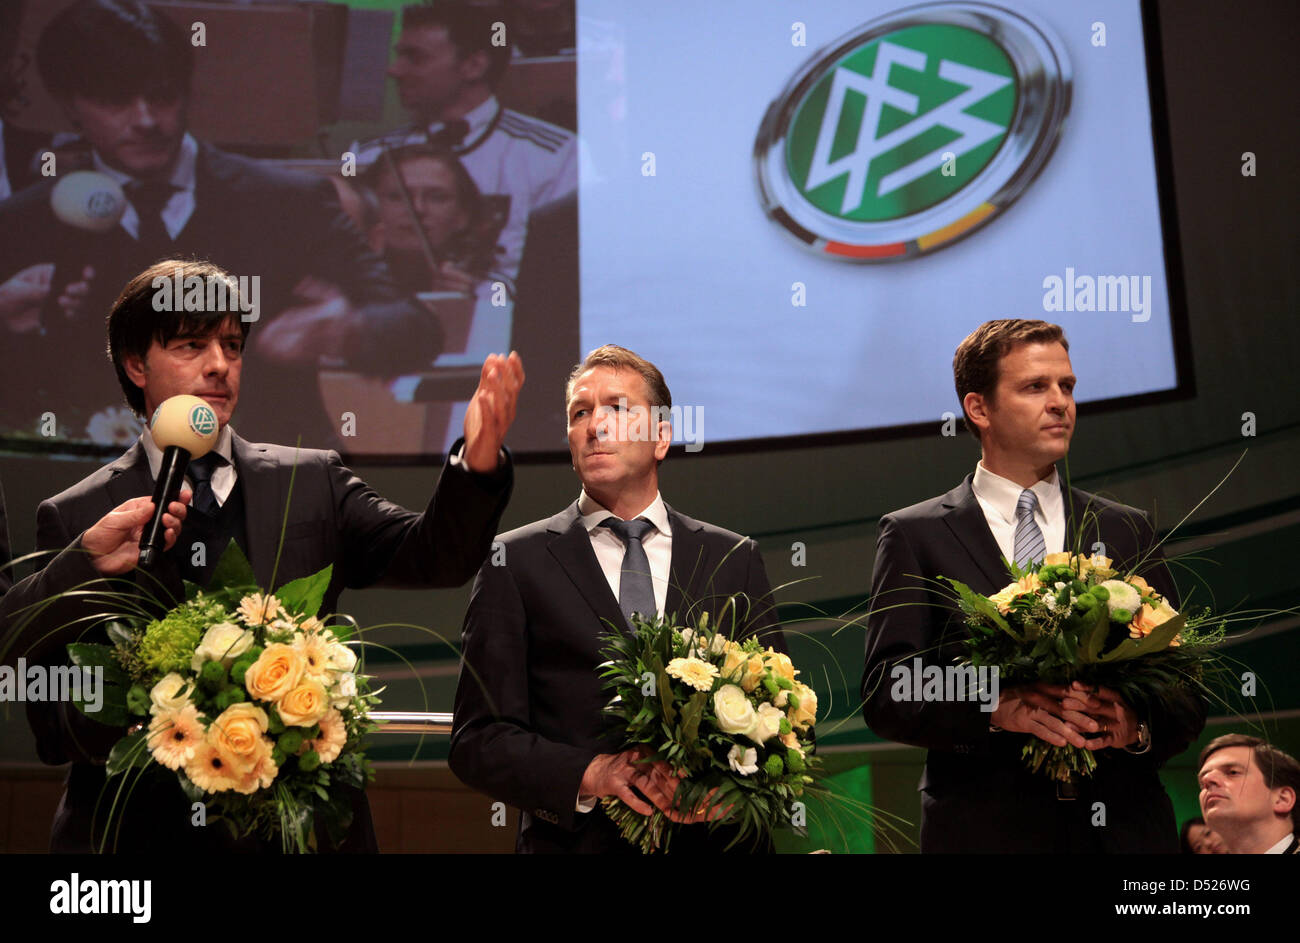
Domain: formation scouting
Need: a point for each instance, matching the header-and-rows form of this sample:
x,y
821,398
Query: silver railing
x,y
410,722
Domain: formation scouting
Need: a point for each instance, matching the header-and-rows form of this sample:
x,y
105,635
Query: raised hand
x,y
492,410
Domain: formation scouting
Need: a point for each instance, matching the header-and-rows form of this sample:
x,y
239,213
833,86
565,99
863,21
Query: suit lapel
x,y
688,577
965,518
570,545
263,505
131,477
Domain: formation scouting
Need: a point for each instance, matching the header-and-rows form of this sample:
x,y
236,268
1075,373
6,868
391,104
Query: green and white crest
x,y
912,131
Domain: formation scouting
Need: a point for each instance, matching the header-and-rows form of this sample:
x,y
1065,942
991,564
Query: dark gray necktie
x,y
635,590
149,199
1030,545
200,470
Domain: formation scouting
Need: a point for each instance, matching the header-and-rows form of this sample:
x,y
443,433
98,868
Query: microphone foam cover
x,y
89,200
186,421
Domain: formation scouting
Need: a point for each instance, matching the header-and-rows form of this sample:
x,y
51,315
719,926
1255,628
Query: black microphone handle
x,y
77,249
168,488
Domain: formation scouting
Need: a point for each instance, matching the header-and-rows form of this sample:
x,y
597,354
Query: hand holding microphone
x,y
185,428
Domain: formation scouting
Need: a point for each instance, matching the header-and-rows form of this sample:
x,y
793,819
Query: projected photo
x,y
367,175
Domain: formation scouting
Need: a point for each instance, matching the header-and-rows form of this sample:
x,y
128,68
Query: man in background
x,y
450,59
1248,795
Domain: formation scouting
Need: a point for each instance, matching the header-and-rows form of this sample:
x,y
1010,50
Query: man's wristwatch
x,y
1143,741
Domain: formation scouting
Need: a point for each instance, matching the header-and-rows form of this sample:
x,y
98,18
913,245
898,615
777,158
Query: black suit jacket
x,y
250,218
334,518
529,704
977,796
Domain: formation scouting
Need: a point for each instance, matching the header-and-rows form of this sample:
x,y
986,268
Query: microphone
x,y
91,203
185,428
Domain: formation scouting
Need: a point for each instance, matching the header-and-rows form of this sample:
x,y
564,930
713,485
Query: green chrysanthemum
x,y
169,644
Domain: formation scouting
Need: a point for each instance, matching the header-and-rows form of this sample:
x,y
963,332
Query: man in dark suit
x,y
323,294
528,728
241,493
1249,791
1016,386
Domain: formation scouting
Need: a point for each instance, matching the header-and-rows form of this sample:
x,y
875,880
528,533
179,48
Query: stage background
x,y
1230,83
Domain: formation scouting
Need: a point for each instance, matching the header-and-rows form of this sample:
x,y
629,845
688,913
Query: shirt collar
x,y
182,177
479,120
1003,495
593,513
155,454
1281,846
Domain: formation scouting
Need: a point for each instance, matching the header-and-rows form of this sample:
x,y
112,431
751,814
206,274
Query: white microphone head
x,y
186,421
89,200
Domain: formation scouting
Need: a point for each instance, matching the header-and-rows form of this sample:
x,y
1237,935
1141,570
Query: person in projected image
x,y
443,239
122,72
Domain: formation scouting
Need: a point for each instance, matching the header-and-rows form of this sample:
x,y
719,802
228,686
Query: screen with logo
x,y
797,212
800,212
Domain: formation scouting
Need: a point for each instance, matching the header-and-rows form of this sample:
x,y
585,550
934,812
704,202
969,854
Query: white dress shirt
x,y
223,477
1281,847
178,210
998,497
609,547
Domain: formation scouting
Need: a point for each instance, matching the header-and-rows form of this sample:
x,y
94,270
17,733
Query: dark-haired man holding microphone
x,y
241,489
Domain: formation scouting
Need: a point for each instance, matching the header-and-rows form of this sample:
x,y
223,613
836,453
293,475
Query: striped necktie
x,y
1030,546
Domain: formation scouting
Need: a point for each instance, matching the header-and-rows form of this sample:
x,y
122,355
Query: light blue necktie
x,y
1030,546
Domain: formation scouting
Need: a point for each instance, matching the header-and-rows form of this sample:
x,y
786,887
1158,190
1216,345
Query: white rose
x,y
735,713
341,657
743,761
224,642
767,724
718,645
344,690
172,693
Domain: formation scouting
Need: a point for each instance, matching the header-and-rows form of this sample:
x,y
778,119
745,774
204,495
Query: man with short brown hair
x,y
530,729
1248,795
1016,387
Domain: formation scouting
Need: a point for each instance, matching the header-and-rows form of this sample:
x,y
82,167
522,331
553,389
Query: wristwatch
x,y
1143,742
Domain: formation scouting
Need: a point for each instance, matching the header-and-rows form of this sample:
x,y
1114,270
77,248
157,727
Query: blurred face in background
x,y
432,188
139,135
431,76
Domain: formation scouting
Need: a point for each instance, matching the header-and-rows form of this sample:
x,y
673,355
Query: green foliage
x,y
304,596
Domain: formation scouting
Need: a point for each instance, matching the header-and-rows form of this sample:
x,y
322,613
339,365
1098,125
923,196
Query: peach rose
x,y
743,668
1148,618
275,672
806,713
779,664
304,704
237,736
1056,559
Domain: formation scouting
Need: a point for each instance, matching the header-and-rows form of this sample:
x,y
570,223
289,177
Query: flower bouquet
x,y
1076,618
251,700
727,715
